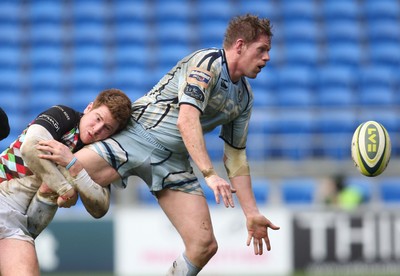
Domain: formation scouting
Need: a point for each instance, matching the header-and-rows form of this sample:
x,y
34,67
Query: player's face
x,y
96,124
255,56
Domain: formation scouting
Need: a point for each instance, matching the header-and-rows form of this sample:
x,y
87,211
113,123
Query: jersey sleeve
x,y
58,120
200,76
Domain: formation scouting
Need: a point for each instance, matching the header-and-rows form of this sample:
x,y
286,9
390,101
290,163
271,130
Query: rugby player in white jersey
x,y
205,89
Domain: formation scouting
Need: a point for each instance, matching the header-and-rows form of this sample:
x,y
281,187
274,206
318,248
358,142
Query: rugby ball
x,y
371,148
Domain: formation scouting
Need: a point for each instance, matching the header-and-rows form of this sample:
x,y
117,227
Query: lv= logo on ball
x,y
371,148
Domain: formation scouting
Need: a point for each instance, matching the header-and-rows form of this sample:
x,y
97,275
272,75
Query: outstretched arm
x,y
236,165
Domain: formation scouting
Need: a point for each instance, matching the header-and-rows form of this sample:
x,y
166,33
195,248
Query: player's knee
x,y
205,248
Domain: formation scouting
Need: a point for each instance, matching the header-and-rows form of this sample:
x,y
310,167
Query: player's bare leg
x,y
191,217
18,257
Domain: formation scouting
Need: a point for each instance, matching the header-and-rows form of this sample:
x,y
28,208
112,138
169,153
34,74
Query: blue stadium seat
x,y
340,10
301,54
41,100
388,117
259,146
47,56
90,11
376,96
262,8
47,11
376,10
47,33
91,33
389,188
299,10
210,10
335,128
12,35
90,56
294,146
88,78
335,97
349,31
211,33
138,11
12,79
336,76
14,101
11,12
80,98
132,79
298,191
344,54
12,57
47,79
261,189
215,145
377,76
294,97
295,121
295,77
383,31
384,54
169,54
336,121
300,32
132,32
132,55
265,82
174,32
173,11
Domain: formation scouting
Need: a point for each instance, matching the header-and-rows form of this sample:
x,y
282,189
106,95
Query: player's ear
x,y
239,46
88,108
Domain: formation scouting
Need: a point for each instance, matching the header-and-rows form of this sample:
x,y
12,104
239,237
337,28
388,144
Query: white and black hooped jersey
x,y
201,80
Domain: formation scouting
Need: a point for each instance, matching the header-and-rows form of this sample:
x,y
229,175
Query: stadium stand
x,y
334,64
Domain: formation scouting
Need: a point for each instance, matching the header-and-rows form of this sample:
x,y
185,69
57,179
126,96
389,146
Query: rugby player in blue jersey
x,y
205,90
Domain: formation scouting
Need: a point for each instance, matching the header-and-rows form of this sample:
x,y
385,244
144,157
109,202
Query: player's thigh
x,y
18,257
189,214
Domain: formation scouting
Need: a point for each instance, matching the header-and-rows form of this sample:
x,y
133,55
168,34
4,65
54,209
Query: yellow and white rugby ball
x,y
371,148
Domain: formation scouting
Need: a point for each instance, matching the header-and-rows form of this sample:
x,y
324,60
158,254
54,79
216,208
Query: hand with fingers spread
x,y
222,189
257,228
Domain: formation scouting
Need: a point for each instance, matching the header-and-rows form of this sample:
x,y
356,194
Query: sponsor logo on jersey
x,y
194,92
51,120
